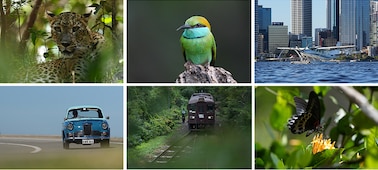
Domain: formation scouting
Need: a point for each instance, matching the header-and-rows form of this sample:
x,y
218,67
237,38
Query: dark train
x,y
201,111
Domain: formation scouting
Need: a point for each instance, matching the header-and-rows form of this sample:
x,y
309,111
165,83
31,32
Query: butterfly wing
x,y
307,115
313,107
300,105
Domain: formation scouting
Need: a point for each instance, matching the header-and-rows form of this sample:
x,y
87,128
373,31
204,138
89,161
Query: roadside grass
x,y
100,158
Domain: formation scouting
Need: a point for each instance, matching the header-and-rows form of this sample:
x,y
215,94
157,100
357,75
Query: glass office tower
x,y
301,17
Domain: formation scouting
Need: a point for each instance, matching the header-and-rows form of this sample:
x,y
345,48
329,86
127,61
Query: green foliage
x,y
234,105
356,134
151,112
283,109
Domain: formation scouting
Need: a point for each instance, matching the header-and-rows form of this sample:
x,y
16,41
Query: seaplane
x,y
305,55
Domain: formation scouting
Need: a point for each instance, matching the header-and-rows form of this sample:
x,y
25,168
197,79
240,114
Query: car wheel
x,y
66,145
104,143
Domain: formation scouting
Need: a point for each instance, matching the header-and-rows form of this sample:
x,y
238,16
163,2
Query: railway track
x,y
182,146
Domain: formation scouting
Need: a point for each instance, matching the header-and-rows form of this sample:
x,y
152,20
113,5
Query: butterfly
x,y
307,117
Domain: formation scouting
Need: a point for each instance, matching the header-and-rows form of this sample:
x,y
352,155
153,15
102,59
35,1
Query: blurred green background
x,y
154,52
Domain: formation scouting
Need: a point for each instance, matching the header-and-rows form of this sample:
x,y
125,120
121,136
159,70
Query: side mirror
x,y
65,119
107,117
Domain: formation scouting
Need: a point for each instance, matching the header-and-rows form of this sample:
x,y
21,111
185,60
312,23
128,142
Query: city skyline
x,y
281,12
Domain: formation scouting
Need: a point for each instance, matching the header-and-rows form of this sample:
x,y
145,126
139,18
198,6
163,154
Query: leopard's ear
x,y
87,15
50,15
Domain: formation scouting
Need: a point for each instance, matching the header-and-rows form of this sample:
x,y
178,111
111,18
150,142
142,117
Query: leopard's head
x,y
71,33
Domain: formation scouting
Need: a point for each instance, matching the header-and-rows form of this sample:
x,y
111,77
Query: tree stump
x,y
204,74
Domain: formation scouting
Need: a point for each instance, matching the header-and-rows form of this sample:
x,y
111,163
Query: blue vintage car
x,y
85,125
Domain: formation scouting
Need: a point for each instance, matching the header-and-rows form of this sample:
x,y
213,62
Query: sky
x,y
281,12
40,110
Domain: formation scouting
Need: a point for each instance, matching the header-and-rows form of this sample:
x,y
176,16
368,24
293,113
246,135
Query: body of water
x,y
317,72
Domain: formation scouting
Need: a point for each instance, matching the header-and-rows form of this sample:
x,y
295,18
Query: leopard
x,y
78,46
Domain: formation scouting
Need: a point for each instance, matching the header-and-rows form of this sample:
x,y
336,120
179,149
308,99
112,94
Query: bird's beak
x,y
183,27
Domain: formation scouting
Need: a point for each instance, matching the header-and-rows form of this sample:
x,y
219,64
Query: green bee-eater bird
x,y
197,41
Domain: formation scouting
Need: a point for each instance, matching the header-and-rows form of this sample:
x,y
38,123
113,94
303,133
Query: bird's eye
x,y
198,25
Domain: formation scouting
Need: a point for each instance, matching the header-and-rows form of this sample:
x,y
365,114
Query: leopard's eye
x,y
75,28
57,29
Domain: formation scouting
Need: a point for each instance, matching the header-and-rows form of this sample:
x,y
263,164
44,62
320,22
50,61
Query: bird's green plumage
x,y
197,41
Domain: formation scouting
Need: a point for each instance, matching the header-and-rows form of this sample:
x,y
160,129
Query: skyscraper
x,y
256,26
333,20
301,17
355,23
374,26
265,19
277,35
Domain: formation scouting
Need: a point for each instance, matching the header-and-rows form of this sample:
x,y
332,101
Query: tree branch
x,y
204,74
361,101
30,23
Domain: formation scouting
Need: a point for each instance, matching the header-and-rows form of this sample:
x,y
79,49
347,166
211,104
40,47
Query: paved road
x,y
48,152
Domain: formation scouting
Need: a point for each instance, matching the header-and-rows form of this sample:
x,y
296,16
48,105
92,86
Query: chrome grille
x,y
87,129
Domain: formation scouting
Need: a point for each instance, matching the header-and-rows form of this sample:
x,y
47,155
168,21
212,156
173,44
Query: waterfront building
x,y
277,36
306,42
320,35
333,20
374,27
260,44
265,19
355,23
256,26
301,17
324,37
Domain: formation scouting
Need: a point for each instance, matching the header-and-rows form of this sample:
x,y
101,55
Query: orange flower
x,y
319,144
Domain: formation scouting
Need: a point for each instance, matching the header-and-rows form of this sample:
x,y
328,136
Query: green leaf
x,y
107,19
277,162
361,121
344,126
321,157
282,110
278,149
300,158
322,90
372,149
259,162
279,116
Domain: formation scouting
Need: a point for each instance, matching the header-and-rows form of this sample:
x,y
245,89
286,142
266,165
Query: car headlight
x,y
210,117
104,125
70,126
192,117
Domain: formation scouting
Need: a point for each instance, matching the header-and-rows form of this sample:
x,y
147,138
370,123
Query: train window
x,y
192,108
201,108
210,108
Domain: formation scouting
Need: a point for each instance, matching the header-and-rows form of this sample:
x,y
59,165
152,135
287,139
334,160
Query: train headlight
x,y
70,126
192,117
104,126
209,117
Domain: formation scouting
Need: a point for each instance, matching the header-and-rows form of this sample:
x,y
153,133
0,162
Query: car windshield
x,y
84,113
